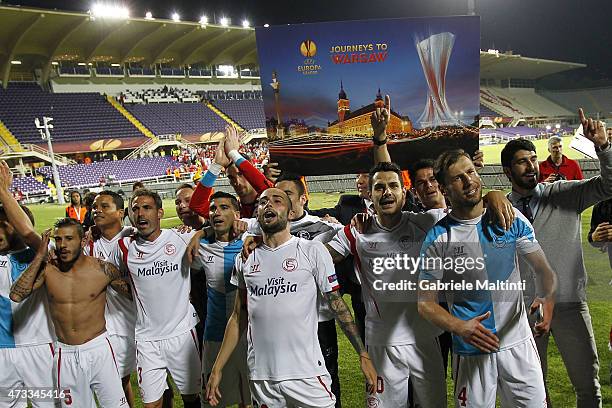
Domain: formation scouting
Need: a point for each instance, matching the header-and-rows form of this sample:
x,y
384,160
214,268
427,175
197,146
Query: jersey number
x,y
139,375
462,397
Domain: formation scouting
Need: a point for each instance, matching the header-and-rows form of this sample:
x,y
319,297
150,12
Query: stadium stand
x,y
249,114
166,95
594,101
513,102
183,118
89,175
29,185
77,116
487,112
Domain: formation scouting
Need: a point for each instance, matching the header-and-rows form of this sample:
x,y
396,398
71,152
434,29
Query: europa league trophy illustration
x,y
434,53
276,86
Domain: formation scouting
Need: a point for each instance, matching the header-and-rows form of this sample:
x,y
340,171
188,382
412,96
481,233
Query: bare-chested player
x,y
76,287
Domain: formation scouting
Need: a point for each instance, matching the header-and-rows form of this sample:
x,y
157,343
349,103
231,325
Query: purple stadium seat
x,y
77,116
88,175
248,113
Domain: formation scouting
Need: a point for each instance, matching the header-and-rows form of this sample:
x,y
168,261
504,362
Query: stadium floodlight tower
x,y
46,135
434,53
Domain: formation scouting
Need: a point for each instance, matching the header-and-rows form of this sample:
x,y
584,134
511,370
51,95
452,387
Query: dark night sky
x,y
568,30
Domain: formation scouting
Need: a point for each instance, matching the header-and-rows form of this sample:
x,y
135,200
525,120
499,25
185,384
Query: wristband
x,y
380,142
215,168
234,156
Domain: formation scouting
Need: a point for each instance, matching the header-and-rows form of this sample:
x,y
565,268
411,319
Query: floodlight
x,y
246,24
109,11
224,21
176,17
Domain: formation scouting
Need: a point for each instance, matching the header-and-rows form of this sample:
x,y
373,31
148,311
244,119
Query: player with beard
x,y
108,213
556,209
245,179
215,260
306,226
280,281
402,344
166,342
492,341
76,287
26,331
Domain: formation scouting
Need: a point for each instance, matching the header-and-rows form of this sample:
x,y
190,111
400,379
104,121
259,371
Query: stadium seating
x,y
248,113
88,175
28,185
77,116
183,118
520,102
168,95
593,101
488,113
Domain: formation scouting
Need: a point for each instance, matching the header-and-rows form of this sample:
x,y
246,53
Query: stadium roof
x,y
36,37
496,65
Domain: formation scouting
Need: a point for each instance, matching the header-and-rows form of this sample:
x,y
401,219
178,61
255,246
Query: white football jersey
x,y
120,313
392,316
311,228
159,275
27,323
282,284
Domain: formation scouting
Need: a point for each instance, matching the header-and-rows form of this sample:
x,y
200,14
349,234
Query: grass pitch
x,y
492,153
351,378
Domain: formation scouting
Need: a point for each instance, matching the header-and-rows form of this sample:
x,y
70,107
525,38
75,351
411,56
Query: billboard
x,y
322,81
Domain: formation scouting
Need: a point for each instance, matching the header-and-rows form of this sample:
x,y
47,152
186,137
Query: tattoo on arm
x,y
345,320
117,282
109,270
32,278
121,286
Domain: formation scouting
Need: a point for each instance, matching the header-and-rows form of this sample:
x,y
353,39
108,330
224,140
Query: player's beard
x,y
518,179
470,202
278,226
66,265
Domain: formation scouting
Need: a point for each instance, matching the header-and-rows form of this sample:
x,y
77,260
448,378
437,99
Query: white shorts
x,y
515,372
179,356
125,354
234,385
26,367
312,392
421,363
87,368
